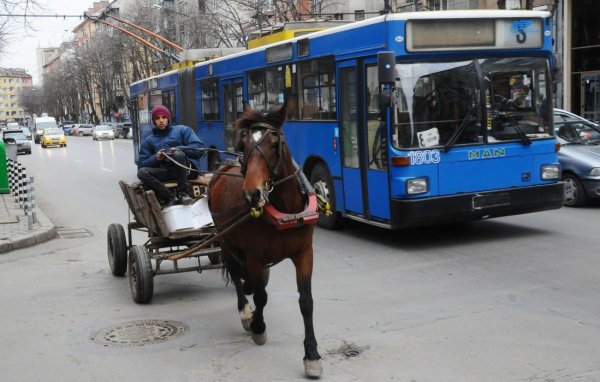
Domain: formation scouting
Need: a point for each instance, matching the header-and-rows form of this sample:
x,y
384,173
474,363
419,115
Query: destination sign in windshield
x,y
457,34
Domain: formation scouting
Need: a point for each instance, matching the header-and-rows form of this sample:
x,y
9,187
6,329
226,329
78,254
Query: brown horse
x,y
267,181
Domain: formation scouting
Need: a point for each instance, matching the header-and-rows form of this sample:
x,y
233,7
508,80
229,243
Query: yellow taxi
x,y
53,137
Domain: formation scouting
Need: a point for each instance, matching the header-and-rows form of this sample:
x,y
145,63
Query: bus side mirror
x,y
386,65
386,70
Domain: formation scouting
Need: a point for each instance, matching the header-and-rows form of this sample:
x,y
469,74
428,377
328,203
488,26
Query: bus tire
x,y
321,180
574,192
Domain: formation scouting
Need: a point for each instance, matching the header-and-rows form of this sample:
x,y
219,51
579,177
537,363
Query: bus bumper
x,y
473,206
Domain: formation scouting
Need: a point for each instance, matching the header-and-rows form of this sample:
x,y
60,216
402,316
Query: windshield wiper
x,y
522,135
463,125
511,119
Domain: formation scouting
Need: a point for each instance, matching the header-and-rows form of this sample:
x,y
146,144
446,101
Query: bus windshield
x,y
468,102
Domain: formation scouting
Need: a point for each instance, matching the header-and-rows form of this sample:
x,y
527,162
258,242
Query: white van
x,y
41,123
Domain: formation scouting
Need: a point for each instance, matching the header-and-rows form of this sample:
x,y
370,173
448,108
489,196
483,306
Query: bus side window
x,y
403,136
317,89
256,90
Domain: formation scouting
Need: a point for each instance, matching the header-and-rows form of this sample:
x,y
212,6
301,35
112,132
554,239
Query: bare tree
x,y
31,100
233,20
16,7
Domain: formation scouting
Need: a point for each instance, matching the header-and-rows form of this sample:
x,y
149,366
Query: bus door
x,y
233,94
363,139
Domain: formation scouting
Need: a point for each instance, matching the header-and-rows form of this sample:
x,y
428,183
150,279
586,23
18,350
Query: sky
x,y
49,32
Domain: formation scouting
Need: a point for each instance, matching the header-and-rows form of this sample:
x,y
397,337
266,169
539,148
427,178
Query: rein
x,y
240,216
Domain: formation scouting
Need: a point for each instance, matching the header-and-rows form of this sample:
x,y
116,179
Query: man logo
x,y
487,153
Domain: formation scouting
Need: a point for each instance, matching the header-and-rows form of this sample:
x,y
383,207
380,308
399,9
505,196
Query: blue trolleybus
x,y
400,120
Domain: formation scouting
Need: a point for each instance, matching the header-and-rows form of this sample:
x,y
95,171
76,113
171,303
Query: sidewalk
x,y
14,230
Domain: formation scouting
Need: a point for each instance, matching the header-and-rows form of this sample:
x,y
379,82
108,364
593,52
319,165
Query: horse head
x,y
262,143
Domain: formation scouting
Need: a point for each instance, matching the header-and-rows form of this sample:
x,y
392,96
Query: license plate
x,y
490,200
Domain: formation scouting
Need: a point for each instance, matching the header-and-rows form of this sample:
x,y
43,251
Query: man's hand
x,y
160,155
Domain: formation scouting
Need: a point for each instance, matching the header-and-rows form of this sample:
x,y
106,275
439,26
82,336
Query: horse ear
x,y
246,107
276,115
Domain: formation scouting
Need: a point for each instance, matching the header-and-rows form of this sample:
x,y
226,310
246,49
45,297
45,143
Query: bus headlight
x,y
417,186
551,172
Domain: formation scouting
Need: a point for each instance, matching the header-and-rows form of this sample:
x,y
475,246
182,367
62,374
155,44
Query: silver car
x,y
17,137
103,132
579,156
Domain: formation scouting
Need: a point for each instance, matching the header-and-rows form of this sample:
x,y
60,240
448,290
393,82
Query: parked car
x,y
54,137
82,129
579,156
122,129
27,132
66,126
103,132
17,137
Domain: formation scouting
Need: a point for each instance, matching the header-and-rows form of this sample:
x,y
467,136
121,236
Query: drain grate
x,y
139,333
73,233
348,350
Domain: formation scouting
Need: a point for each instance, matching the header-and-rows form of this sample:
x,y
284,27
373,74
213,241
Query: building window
x,y
437,5
359,15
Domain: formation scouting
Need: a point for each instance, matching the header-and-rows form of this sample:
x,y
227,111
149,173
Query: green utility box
x,y
4,187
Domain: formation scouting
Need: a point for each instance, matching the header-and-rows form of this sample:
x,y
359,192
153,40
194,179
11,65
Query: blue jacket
x,y
171,136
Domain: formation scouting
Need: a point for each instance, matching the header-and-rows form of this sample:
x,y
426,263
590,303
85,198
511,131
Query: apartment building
x,y
12,83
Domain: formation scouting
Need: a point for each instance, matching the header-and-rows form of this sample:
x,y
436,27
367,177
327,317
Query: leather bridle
x,y
266,129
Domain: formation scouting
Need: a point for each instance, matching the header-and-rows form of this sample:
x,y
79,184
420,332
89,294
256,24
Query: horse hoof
x,y
259,339
246,324
246,317
313,368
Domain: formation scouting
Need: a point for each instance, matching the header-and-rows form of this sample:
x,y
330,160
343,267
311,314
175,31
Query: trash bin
x,y
4,187
10,146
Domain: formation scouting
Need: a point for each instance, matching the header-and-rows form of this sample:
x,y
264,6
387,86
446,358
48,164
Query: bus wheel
x,y
321,181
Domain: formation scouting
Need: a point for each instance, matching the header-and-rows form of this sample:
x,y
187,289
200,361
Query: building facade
x,y
12,83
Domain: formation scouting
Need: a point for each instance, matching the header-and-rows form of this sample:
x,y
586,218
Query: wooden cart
x,y
162,248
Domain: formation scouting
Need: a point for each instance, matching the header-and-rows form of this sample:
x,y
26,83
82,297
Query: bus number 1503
x,y
424,157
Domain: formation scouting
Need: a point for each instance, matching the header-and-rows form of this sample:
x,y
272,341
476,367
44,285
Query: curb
x,y
44,232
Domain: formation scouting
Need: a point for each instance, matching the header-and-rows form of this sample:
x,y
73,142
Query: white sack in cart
x,y
201,216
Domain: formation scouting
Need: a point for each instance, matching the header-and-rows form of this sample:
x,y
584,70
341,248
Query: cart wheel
x,y
117,249
141,275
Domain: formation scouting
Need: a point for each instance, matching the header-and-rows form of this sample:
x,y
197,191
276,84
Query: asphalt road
x,y
511,299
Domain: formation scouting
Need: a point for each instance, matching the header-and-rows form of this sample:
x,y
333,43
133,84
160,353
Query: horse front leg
x,y
235,273
312,360
258,326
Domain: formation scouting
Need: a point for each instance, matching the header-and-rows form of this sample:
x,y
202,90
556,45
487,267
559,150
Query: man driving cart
x,y
162,158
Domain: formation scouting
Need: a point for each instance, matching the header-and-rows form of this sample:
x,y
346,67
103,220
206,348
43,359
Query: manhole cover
x,y
139,333
73,233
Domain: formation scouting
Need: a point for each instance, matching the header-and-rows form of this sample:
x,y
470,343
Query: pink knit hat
x,y
160,110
